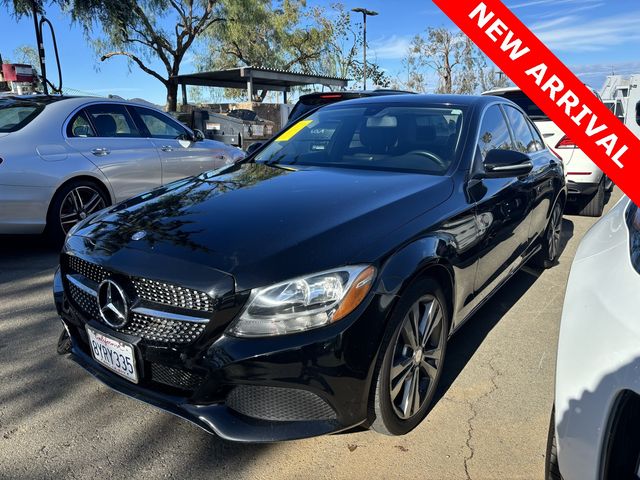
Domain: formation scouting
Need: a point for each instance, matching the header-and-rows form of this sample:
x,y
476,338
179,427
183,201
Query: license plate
x,y
116,355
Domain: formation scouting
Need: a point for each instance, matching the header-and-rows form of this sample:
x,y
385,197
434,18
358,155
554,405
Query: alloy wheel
x,y
78,204
417,357
555,232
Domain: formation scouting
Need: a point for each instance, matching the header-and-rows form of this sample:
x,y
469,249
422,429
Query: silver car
x,y
63,158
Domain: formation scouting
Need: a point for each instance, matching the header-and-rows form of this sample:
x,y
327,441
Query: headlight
x,y
304,303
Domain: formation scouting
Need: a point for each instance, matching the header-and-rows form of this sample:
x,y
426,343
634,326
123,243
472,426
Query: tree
x,y
135,30
451,55
283,36
342,57
491,79
28,55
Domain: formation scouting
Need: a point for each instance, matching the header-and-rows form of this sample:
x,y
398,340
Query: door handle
x,y
166,148
100,152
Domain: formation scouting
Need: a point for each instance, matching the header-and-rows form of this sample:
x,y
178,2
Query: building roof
x,y
261,78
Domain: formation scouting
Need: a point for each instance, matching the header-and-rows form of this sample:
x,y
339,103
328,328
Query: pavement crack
x,y
474,413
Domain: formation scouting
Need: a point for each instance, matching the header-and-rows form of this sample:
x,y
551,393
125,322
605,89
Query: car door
x,y
543,173
502,208
106,134
181,156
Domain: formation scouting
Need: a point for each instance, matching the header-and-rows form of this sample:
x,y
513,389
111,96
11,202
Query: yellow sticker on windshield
x,y
293,130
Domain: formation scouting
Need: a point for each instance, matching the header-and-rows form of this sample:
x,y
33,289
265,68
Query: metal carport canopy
x,y
252,79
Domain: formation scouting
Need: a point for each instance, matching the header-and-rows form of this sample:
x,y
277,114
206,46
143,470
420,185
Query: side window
x,y
112,121
494,133
522,135
537,138
79,126
159,125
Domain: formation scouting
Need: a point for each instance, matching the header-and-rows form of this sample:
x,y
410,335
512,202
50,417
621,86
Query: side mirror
x,y
506,163
253,147
638,113
198,135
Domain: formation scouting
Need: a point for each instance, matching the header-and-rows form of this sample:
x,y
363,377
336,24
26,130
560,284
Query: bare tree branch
x,y
139,62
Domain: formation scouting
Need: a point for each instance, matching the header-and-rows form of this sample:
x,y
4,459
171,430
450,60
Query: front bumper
x,y
253,390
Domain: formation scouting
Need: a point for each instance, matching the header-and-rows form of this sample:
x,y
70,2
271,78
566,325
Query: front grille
x,y
163,330
278,404
167,294
84,300
151,328
93,272
175,377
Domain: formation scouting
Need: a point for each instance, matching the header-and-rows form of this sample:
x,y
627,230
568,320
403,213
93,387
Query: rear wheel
x,y
410,365
594,205
74,202
550,251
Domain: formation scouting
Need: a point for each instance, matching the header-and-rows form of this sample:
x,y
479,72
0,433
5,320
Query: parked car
x,y
63,158
311,101
313,287
595,430
586,182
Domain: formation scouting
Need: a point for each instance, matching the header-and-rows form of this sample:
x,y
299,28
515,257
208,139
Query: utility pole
x,y
364,13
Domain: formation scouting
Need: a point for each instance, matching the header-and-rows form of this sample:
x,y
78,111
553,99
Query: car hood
x,y
264,223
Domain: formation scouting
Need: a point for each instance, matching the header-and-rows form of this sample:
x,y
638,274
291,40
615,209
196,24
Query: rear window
x,y
305,105
525,103
15,115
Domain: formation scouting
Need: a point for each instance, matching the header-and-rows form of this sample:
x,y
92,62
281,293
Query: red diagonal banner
x,y
551,86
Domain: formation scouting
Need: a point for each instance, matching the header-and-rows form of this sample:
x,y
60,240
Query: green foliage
x,y
134,29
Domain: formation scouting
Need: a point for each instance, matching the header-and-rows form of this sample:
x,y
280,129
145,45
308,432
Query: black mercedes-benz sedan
x,y
313,287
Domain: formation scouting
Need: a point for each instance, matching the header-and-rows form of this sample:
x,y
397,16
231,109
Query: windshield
x,y
15,115
525,103
378,137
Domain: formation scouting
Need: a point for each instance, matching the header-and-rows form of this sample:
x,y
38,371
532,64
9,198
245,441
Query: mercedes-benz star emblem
x,y
113,304
139,235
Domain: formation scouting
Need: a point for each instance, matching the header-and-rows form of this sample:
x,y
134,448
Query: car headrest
x,y
105,125
378,139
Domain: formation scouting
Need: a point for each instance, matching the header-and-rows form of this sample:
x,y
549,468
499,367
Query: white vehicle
x,y
63,158
595,430
587,184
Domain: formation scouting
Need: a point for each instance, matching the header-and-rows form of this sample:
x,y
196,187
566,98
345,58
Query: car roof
x,y
70,99
502,90
356,93
413,99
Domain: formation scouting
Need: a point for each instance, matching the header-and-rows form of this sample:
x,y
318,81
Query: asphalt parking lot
x,y
490,420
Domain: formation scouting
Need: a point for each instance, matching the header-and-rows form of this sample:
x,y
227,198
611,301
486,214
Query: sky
x,y
593,37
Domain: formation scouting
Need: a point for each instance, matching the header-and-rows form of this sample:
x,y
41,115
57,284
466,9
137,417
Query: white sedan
x,y
595,431
587,185
63,158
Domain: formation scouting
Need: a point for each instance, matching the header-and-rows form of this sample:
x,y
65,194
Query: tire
x,y
548,255
389,415
73,202
552,469
594,206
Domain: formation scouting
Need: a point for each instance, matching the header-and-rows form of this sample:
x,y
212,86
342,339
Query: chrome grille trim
x,y
169,315
75,280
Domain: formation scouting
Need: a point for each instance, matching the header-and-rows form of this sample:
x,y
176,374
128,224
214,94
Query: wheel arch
x,y
102,184
417,260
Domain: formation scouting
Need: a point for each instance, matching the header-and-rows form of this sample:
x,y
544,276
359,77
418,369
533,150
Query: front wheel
x,y
410,363
550,251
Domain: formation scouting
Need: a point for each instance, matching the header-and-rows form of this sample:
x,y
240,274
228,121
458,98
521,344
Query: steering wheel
x,y
431,156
